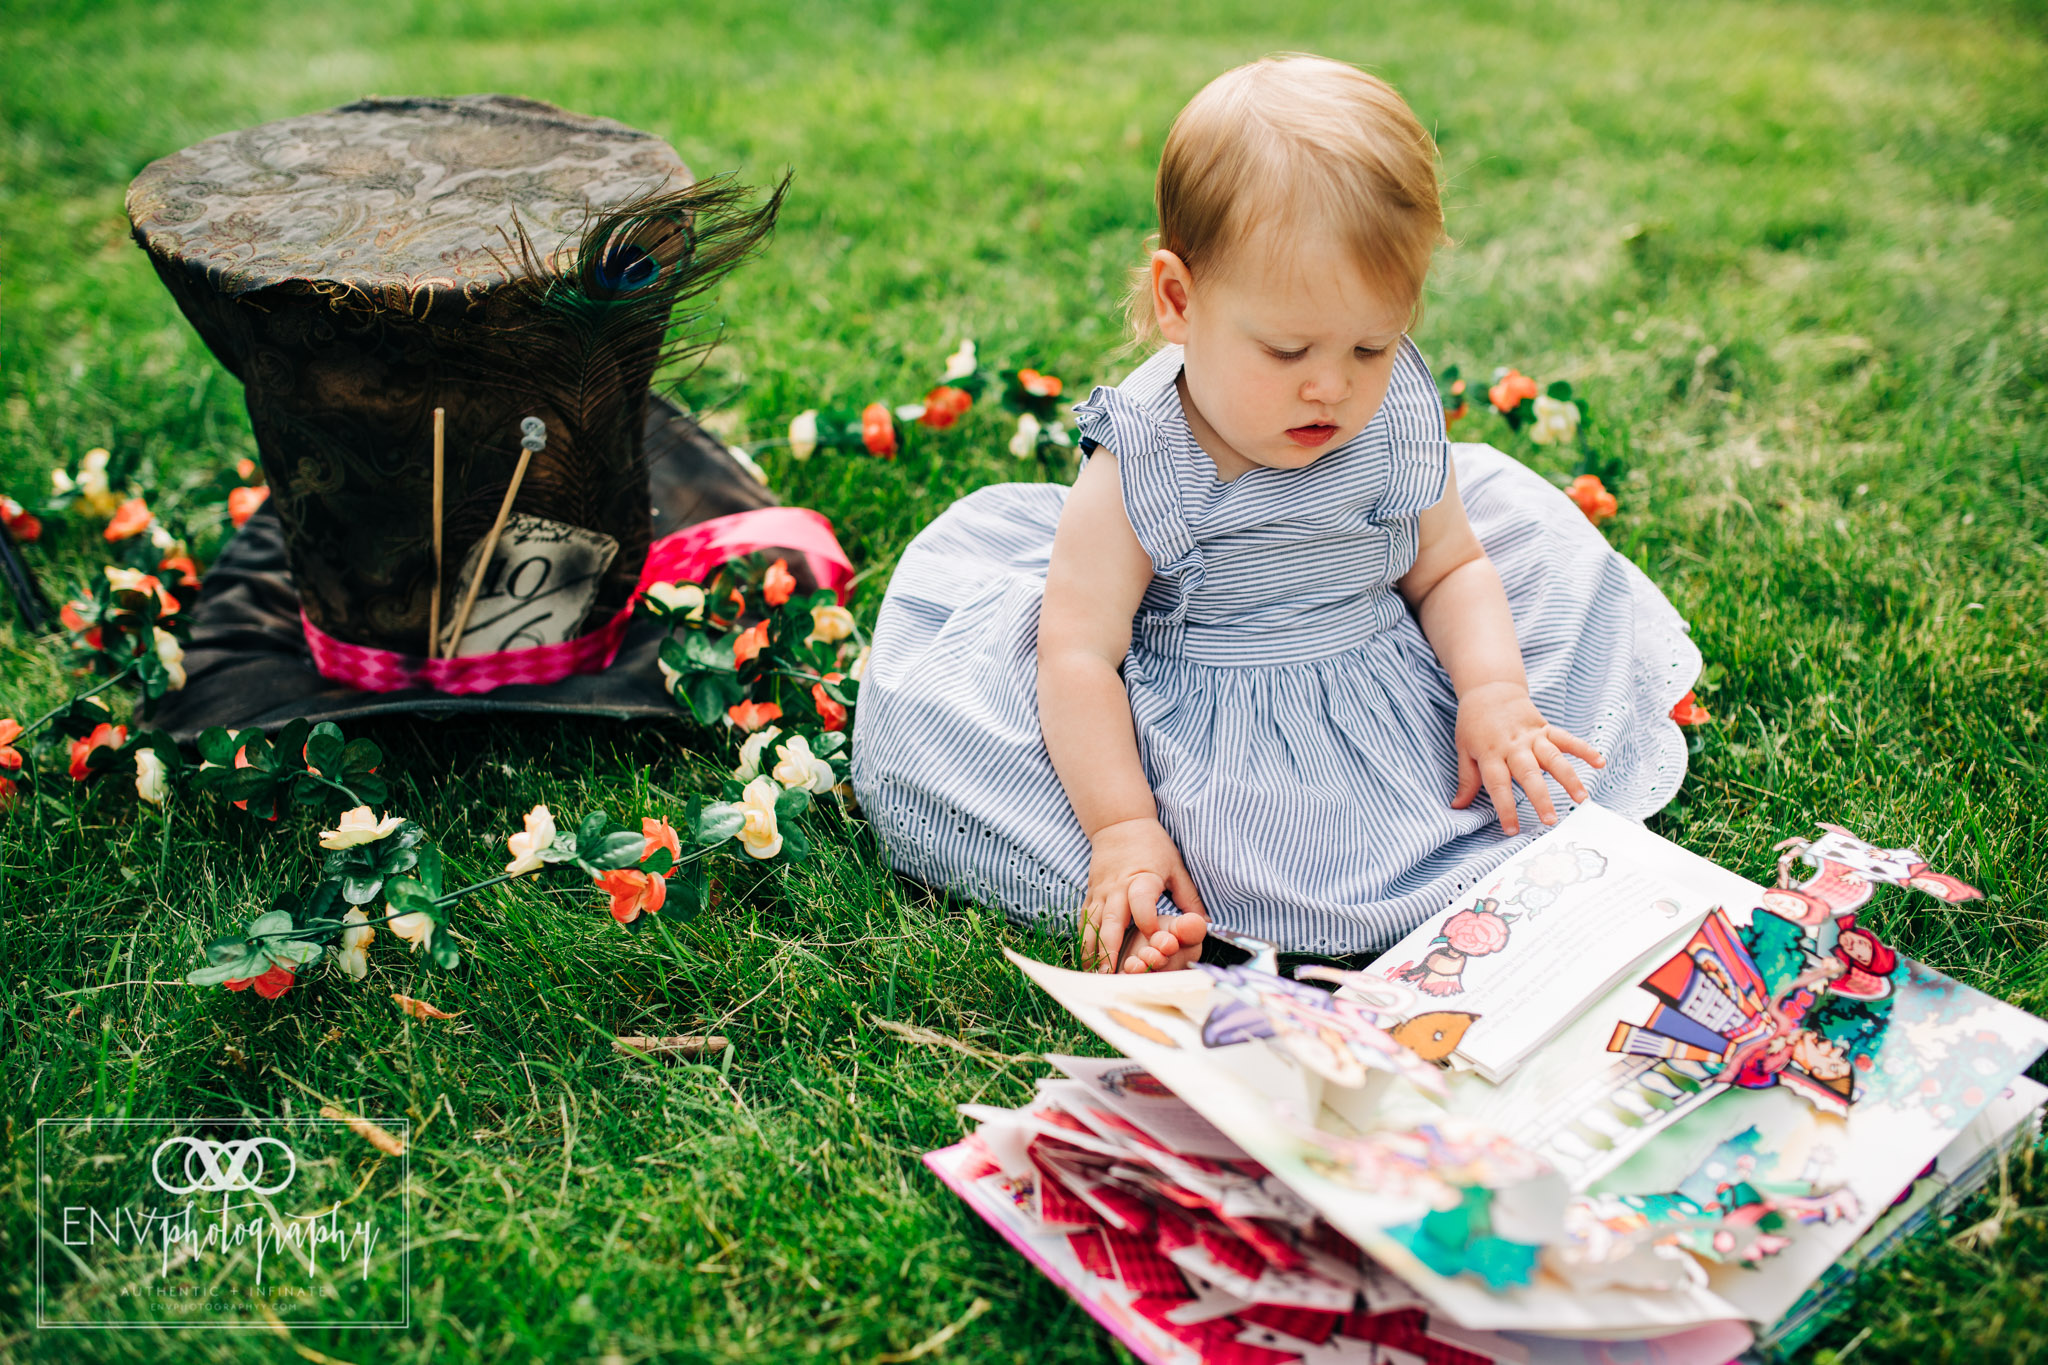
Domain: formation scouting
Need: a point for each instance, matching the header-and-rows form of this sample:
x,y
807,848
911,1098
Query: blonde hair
x,y
1293,142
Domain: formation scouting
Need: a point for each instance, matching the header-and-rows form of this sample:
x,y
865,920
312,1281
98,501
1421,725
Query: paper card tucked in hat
x,y
537,589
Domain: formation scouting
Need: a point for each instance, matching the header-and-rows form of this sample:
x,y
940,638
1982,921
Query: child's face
x,y
1288,352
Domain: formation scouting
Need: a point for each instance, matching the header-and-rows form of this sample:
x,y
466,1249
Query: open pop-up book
x,y
1615,1092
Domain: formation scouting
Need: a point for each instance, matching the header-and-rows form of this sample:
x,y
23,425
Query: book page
x,y
1553,930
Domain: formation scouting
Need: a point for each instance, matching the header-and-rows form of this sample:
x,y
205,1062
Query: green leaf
x,y
360,890
659,862
216,745
430,871
828,744
719,823
373,790
672,654
270,922
1559,389
407,896
290,744
616,850
702,653
710,695
360,756
795,847
594,827
446,955
245,784
562,850
324,749
790,803
296,951
685,894
324,906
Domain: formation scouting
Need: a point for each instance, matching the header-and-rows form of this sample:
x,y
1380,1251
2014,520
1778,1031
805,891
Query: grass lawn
x,y
1792,251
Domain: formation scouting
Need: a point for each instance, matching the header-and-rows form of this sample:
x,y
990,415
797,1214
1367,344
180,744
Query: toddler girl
x,y
1282,656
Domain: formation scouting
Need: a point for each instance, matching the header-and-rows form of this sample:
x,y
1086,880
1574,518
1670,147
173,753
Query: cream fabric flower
x,y
353,956
1026,439
858,669
172,655
799,767
751,751
830,624
527,845
1557,421
416,928
359,826
686,598
803,434
152,777
962,362
760,835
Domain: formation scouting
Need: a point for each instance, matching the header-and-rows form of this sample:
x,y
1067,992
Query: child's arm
x,y
1093,587
1501,737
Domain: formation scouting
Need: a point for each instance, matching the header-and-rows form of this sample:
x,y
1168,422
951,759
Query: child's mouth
x,y
1310,437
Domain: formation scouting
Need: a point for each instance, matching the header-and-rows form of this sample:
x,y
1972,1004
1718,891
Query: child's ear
x,y
1172,289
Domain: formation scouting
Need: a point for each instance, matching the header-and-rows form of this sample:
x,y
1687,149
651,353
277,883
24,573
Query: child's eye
x,y
1279,354
1370,352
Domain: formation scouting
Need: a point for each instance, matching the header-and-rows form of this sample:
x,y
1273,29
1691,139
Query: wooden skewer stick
x,y
534,437
434,607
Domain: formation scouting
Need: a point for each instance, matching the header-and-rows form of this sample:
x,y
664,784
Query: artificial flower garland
x,y
1030,394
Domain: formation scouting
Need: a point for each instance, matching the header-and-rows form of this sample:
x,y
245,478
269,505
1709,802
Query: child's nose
x,y
1329,386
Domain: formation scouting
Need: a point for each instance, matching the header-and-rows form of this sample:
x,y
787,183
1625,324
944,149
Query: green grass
x,y
1792,250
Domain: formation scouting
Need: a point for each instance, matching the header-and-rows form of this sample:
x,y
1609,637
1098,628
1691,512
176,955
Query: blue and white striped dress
x,y
1295,726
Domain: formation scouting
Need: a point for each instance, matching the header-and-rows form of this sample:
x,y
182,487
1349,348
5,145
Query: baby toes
x,y
1188,931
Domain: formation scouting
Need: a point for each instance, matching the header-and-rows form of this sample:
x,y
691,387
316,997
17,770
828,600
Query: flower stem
x,y
51,715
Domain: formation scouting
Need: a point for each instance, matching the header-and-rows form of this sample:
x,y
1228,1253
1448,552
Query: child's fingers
x,y
1554,763
1188,930
1500,790
1576,747
1144,891
1468,781
1109,930
1530,780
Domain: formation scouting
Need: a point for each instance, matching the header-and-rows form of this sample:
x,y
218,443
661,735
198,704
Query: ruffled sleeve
x,y
1132,431
1418,446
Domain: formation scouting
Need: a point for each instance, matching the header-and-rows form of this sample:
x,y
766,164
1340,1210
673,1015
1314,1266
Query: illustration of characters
x,y
1335,1038
1867,964
1848,870
1433,1036
1479,931
1545,876
1717,1006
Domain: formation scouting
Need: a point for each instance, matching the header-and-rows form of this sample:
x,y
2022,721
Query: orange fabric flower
x,y
659,834
10,794
752,715
749,643
131,518
245,468
1039,385
71,617
878,430
1507,395
243,502
184,566
778,585
103,736
20,524
1688,711
945,405
632,891
270,985
1452,417
10,757
831,715
1592,497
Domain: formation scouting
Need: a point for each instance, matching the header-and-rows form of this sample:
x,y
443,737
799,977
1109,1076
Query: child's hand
x,y
1502,739
1132,864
